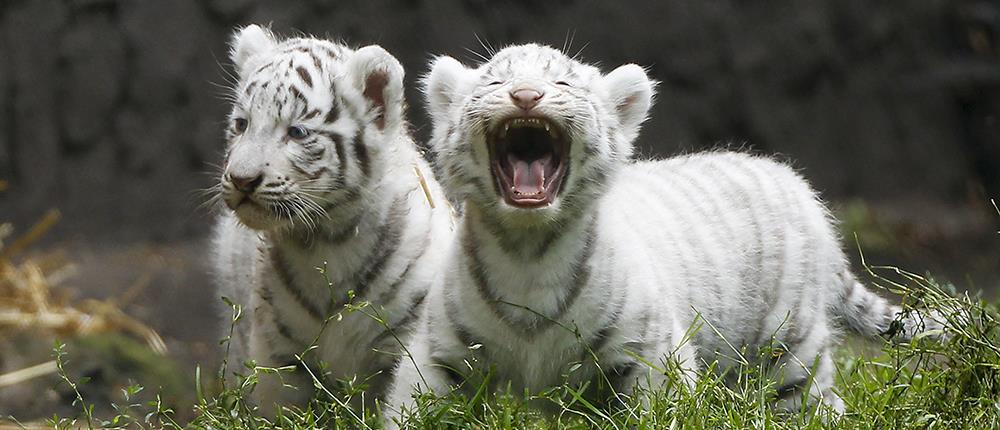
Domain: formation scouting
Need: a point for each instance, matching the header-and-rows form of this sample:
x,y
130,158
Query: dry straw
x,y
32,300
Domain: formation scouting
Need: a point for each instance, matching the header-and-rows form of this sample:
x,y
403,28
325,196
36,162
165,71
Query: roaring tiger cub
x,y
326,207
569,250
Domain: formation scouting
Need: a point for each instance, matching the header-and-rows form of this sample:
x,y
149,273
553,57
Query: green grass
x,y
927,384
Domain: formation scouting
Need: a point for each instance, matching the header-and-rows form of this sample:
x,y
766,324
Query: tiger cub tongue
x,y
529,177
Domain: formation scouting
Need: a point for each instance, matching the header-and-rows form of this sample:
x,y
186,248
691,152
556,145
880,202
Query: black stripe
x,y
451,372
310,175
622,374
413,311
332,114
639,347
312,148
770,296
284,274
266,295
795,313
307,239
337,237
328,51
701,200
546,243
392,236
578,200
285,331
387,295
536,324
508,243
305,76
479,276
590,150
793,341
601,338
316,62
403,325
361,153
581,272
297,93
338,144
333,136
350,195
463,333
282,360
388,237
314,155
312,114
613,307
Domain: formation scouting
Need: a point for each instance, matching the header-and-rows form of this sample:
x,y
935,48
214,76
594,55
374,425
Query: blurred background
x,y
111,113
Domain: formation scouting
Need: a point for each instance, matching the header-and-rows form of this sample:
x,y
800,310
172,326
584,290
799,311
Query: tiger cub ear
x,y
379,77
443,83
630,92
247,44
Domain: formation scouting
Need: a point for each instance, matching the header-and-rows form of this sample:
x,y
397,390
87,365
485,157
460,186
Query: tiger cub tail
x,y
871,315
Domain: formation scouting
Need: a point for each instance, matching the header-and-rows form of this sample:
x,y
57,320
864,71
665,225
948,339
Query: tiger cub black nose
x,y
246,184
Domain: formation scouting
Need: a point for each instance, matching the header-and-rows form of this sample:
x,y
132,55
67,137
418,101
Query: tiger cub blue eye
x,y
298,132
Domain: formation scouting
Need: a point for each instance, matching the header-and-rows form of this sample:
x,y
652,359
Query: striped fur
x,y
345,198
630,256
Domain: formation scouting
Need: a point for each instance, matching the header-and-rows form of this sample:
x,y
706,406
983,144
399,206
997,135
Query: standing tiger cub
x,y
320,173
569,249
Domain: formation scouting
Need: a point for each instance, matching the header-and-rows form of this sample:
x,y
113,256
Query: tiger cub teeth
x,y
529,122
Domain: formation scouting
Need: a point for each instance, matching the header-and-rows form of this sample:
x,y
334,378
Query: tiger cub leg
x,y
291,385
675,365
802,379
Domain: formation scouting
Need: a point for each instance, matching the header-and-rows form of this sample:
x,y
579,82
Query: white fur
x,y
372,60
250,44
631,92
346,199
446,81
631,255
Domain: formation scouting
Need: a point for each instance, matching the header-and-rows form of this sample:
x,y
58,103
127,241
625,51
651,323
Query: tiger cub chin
x,y
569,249
325,208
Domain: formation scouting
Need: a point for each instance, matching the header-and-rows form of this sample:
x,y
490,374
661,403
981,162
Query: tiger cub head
x,y
532,132
309,124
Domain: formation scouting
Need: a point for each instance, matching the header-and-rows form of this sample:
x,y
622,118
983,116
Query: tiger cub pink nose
x,y
525,97
246,184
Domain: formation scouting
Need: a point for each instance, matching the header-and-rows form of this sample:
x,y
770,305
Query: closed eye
x,y
563,84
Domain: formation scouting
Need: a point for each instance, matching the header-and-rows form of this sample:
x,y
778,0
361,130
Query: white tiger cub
x,y
568,248
320,172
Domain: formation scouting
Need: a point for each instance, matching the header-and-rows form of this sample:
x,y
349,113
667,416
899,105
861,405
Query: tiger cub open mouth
x,y
528,157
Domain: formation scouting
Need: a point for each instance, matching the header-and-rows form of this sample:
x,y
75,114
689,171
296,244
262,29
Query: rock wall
x,y
112,110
